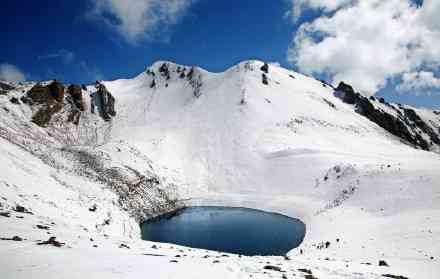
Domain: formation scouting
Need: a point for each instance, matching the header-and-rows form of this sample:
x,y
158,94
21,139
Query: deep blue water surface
x,y
227,229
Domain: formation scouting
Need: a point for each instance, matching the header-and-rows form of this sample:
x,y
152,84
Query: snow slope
x,y
288,146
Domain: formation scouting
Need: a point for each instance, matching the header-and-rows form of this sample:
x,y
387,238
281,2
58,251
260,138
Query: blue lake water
x,y
227,229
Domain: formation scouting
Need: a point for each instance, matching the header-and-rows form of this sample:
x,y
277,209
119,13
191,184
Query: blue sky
x,y
80,41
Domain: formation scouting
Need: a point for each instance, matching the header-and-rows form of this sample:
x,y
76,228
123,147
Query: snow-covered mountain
x,y
93,162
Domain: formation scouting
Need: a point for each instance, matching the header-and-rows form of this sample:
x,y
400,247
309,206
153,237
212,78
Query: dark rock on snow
x,y
42,227
75,93
106,102
21,209
265,68
407,125
122,245
52,241
15,101
272,267
6,87
93,208
394,276
49,98
5,214
14,238
265,79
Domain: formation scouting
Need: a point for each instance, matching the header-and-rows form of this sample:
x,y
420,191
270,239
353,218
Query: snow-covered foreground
x,y
227,139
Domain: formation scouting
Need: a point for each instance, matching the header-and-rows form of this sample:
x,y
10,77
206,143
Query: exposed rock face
x,y
264,79
195,80
75,93
50,98
265,68
75,98
165,71
106,102
4,88
346,93
57,90
407,125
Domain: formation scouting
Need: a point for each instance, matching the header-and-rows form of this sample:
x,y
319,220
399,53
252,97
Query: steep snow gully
x,y
83,166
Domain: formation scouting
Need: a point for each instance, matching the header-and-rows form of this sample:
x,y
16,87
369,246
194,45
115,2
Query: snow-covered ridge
x,y
254,136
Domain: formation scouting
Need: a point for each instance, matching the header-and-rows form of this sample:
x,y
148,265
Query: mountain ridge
x,y
256,136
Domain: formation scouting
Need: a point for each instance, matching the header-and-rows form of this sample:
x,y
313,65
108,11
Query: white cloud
x,y
298,6
10,72
140,19
368,43
65,55
419,81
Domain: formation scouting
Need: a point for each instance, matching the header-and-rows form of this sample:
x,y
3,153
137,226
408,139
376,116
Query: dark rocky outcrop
x,y
264,79
195,80
165,72
105,102
52,241
6,87
407,125
272,267
75,98
346,93
14,238
190,74
75,93
394,276
5,214
15,101
414,120
50,98
265,68
57,90
42,94
182,74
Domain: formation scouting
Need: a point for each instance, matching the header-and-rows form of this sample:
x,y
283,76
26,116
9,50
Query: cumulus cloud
x,y
139,19
10,72
419,81
65,55
368,43
298,6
